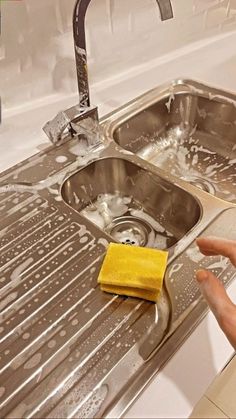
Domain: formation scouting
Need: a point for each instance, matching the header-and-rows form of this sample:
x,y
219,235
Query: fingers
x,y
219,302
214,292
211,246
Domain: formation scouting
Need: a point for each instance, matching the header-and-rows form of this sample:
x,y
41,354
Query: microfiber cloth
x,y
133,271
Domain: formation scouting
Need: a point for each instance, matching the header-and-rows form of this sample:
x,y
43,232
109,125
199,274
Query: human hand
x,y
213,290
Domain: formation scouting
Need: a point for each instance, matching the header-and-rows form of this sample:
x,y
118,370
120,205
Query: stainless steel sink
x,y
68,349
132,204
188,130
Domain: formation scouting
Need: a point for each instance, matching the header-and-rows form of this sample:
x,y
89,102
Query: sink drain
x,y
202,184
130,230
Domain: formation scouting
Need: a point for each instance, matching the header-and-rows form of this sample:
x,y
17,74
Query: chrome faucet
x,y
71,121
80,43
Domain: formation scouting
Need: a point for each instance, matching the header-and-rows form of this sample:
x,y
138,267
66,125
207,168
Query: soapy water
x,y
92,405
180,152
109,209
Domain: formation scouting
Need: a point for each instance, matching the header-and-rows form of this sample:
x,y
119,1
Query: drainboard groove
x,y
55,304
7,196
18,272
103,329
24,286
65,339
14,203
33,241
22,206
10,233
100,363
40,252
13,220
27,227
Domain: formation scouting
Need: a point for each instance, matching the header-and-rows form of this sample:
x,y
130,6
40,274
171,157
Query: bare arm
x,y
213,290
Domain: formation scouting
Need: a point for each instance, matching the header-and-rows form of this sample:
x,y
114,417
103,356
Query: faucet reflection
x,y
66,122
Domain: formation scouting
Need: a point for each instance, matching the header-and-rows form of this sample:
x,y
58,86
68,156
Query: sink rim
x,y
195,86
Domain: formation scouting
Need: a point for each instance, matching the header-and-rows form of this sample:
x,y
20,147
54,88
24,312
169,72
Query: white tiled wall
x,y
36,52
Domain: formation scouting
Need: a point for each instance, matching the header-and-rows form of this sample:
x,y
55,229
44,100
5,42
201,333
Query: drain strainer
x,y
130,230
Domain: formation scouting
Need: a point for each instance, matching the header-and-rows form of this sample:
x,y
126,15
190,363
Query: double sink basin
x,y
184,130
162,173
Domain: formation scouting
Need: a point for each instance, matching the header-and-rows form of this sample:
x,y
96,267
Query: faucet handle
x,y
64,123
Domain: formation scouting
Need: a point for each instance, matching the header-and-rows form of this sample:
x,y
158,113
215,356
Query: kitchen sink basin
x,y
188,130
131,204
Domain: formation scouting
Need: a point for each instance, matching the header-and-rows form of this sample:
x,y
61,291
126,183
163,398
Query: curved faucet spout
x,y
80,43
165,9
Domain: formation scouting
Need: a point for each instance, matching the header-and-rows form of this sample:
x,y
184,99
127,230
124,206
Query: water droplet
x,y
61,159
84,239
51,343
26,336
33,361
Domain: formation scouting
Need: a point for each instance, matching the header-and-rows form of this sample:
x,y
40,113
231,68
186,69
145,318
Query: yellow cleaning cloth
x,y
133,271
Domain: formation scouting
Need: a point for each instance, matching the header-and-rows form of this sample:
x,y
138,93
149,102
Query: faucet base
x,y
66,124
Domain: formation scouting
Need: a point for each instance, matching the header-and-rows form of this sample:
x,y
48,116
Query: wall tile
x,y
36,50
217,14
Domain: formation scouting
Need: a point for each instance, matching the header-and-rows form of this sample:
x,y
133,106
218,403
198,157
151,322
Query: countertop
x,y
177,388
